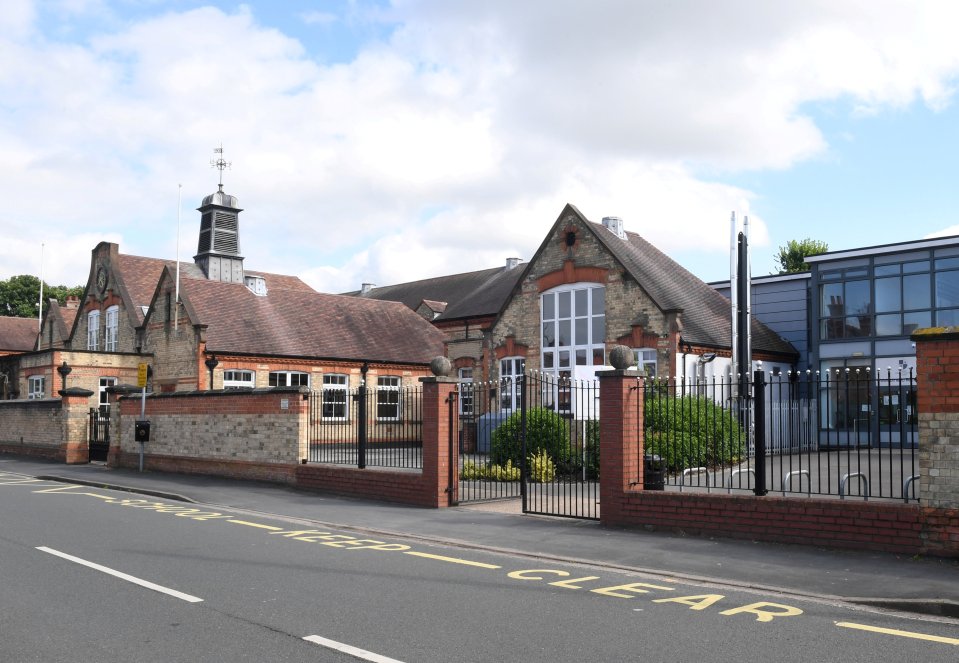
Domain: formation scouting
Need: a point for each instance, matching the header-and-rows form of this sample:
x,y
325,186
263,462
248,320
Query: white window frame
x,y
511,392
93,330
467,394
36,386
646,358
388,386
238,378
112,328
287,378
103,399
335,383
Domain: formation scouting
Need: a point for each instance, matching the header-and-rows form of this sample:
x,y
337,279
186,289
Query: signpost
x,y
142,433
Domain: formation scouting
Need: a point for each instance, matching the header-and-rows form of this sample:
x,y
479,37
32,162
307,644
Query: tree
x,y
19,295
792,257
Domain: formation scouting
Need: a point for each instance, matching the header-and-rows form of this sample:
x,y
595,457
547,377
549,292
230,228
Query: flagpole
x,y
40,303
176,300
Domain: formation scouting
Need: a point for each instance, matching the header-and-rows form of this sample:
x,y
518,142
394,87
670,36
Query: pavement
x,y
897,582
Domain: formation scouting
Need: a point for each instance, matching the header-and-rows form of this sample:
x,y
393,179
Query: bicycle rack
x,y
748,470
906,485
799,473
693,470
845,477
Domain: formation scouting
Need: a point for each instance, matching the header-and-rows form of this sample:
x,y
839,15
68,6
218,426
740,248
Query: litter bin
x,y
654,472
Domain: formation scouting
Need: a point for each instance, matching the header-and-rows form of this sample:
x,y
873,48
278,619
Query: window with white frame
x,y
289,379
112,325
104,395
238,379
466,391
573,331
645,361
335,403
36,386
388,398
93,330
511,386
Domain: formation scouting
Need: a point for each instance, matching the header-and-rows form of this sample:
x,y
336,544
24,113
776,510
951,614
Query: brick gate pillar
x,y
620,433
76,424
440,424
937,379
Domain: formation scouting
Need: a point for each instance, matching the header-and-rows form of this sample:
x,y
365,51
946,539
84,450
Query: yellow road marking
x,y
249,524
452,560
904,634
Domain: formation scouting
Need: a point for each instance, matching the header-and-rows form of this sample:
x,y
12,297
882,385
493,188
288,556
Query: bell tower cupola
x,y
218,249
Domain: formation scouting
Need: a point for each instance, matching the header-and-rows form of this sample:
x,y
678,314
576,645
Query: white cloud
x,y
450,146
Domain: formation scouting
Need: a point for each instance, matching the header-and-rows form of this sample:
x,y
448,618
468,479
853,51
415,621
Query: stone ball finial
x,y
621,357
441,367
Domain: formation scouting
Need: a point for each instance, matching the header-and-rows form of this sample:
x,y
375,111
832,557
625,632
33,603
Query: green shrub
x,y
691,431
540,467
489,472
545,431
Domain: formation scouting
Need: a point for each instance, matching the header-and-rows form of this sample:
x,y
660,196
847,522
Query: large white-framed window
x,y
511,387
388,398
236,378
645,360
335,402
573,330
112,327
36,386
466,391
93,330
289,379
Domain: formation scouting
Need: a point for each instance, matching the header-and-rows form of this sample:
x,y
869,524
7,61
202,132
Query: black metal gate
x,y
99,437
533,438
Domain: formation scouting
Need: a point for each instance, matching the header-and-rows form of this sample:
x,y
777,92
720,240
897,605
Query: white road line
x,y
122,576
348,649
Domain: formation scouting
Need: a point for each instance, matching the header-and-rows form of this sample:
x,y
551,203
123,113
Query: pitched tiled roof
x,y
467,295
17,334
139,276
705,312
305,323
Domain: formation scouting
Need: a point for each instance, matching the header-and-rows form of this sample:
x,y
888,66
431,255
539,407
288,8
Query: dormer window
x,y
256,284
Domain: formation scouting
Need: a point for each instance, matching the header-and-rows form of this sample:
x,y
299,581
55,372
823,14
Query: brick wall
x,y
32,427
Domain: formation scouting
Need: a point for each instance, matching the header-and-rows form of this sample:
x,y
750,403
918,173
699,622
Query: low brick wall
x,y
852,524
32,428
898,528
263,435
405,487
257,434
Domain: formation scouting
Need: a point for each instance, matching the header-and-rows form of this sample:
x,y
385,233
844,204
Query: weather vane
x,y
219,162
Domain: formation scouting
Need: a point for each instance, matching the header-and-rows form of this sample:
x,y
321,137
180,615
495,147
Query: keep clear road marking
x,y
349,649
122,576
902,634
452,560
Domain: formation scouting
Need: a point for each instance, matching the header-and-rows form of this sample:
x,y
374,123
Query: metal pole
x,y
759,420
143,410
521,383
361,431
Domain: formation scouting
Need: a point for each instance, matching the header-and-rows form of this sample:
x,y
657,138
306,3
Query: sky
x,y
384,141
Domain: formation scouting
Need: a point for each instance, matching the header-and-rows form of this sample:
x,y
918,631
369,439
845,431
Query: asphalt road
x,y
90,574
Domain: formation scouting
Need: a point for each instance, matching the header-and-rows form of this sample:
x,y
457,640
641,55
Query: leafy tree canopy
x,y
792,257
19,295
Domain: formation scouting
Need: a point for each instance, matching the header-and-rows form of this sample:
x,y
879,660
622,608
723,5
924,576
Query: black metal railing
x,y
846,433
367,426
486,473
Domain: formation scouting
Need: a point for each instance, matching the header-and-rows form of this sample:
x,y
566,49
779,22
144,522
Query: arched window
x,y
573,331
